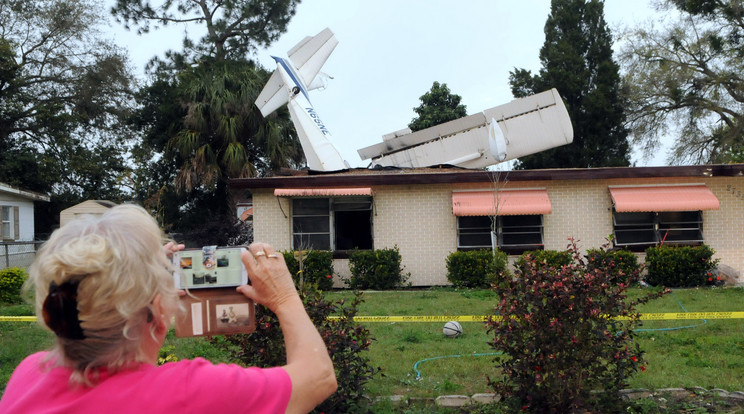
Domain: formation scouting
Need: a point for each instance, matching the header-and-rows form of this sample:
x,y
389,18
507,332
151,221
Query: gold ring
x,y
260,253
273,256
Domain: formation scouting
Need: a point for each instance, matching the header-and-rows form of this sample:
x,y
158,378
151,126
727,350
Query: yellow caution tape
x,y
671,316
17,318
481,318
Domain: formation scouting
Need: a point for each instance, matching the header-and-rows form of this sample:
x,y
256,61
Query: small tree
x,y
561,336
438,106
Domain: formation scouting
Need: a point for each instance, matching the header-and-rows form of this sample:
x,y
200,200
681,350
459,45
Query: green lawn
x,y
709,354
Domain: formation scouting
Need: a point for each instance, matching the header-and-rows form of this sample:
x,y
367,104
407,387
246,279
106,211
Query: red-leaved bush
x,y
565,333
346,340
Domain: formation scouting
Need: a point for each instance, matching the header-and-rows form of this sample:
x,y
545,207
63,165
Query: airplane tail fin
x,y
306,58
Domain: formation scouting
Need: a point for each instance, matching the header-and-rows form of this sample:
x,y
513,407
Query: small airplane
x,y
521,127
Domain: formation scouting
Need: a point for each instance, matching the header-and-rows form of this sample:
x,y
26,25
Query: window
x,y
339,223
514,234
474,232
9,223
642,229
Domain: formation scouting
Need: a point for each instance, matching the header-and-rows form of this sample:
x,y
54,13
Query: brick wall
x,y
418,219
271,219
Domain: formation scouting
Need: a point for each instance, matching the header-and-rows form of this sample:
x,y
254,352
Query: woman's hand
x,y
172,247
271,284
169,249
308,364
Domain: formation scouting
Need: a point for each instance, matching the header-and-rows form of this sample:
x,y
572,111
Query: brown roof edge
x,y
364,177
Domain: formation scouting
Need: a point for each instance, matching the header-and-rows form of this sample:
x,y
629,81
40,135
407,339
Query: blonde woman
x,y
104,287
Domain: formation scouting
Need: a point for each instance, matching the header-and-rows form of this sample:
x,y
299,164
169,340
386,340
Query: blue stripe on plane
x,y
290,71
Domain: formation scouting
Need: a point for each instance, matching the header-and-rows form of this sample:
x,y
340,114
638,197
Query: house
x,y
86,208
431,212
17,213
17,246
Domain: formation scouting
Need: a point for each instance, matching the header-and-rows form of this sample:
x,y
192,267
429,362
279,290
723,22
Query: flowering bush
x,y
11,282
560,336
476,268
317,267
345,339
680,266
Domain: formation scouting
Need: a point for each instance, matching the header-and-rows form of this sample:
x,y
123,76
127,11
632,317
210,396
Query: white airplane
x,y
521,127
289,84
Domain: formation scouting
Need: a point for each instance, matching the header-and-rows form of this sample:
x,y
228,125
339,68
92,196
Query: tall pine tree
x,y
577,60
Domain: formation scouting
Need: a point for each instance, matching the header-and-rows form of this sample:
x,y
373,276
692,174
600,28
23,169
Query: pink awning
x,y
510,202
322,192
664,198
247,213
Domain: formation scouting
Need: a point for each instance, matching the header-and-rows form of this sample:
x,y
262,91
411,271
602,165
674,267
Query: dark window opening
x,y
640,230
513,234
353,230
342,223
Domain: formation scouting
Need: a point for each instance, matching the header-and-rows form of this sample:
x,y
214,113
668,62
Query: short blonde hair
x,y
120,265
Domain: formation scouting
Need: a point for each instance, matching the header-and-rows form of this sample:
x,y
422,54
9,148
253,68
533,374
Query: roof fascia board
x,y
406,178
4,188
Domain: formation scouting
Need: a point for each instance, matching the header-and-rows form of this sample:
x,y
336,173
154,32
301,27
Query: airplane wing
x,y
273,95
311,53
521,127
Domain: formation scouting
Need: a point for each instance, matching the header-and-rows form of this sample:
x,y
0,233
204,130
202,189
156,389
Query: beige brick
x,y
418,219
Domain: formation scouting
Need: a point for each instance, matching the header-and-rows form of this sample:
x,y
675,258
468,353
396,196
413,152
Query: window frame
x,y
497,237
333,206
7,222
659,226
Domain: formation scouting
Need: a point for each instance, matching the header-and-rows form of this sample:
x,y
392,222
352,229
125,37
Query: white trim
x,y
23,193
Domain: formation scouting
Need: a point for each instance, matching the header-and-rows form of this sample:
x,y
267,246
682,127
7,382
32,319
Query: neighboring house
x,y
429,213
86,208
17,247
17,213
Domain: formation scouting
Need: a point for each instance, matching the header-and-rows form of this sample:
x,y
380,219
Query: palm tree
x,y
224,135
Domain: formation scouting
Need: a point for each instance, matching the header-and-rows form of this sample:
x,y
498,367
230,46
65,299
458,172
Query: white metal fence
x,y
17,254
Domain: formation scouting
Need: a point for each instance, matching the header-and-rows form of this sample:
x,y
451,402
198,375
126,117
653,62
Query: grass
x,y
710,354
19,339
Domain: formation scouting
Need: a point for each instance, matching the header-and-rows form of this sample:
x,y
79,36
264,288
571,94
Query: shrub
x,y
680,266
620,263
561,339
548,258
345,339
317,268
376,269
11,283
476,268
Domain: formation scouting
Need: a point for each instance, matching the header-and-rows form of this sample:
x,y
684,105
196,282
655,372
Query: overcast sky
x,y
391,51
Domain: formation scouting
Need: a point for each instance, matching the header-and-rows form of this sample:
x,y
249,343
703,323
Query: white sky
x,y
391,51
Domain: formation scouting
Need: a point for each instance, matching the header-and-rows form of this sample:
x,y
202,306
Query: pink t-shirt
x,y
189,386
